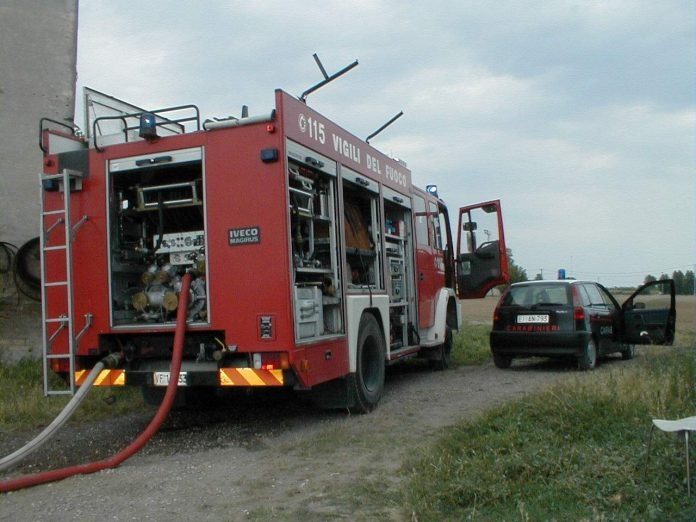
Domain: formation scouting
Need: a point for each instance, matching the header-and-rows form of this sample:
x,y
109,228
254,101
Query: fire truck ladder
x,y
62,319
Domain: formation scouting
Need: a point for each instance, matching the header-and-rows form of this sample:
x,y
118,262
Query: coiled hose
x,y
144,437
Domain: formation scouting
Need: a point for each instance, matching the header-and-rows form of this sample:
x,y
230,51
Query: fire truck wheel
x,y
369,377
443,358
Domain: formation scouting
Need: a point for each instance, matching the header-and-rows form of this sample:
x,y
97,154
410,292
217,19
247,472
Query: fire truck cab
x,y
315,261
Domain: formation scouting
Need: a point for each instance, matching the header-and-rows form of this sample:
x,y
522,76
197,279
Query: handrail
x,y
158,112
42,129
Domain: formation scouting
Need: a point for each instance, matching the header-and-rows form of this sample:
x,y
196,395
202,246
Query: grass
x,y
24,407
471,345
574,452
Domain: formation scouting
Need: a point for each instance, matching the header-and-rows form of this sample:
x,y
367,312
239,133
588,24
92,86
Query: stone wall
x,y
20,324
38,56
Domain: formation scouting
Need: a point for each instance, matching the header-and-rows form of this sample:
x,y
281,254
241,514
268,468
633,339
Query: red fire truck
x,y
315,262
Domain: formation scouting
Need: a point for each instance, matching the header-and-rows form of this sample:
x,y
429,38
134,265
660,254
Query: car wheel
x,y
444,355
629,352
502,361
368,381
588,360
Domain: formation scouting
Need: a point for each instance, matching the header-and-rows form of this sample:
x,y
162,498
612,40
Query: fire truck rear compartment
x,y
157,233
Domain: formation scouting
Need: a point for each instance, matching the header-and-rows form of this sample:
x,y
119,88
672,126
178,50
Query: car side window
x,y
595,296
607,299
584,298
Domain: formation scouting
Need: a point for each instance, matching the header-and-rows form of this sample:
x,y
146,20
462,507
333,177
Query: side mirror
x,y
469,226
639,306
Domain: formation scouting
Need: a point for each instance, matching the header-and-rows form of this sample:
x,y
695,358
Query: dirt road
x,y
269,460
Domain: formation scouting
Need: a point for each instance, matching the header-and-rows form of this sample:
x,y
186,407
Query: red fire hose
x,y
144,437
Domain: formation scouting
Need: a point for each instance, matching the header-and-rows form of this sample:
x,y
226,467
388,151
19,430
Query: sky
x,y
580,116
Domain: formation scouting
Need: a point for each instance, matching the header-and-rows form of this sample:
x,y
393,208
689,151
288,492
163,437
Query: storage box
x,y
309,312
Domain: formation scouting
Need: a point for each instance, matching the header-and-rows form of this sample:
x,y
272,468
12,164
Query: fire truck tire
x,y
368,381
443,358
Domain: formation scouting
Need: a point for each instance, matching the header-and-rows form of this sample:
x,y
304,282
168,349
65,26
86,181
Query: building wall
x,y
38,55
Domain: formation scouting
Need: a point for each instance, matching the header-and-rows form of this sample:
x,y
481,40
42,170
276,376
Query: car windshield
x,y
537,294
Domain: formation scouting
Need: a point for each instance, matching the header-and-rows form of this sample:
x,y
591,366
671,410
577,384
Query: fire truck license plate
x,y
527,319
162,378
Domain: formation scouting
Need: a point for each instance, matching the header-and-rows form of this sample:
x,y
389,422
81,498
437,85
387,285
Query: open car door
x,y
649,315
481,260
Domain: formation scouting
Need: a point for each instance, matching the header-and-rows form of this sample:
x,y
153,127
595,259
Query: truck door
x,y
481,261
430,266
649,315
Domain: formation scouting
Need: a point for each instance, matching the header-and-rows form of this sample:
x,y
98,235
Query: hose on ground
x,y
30,447
144,437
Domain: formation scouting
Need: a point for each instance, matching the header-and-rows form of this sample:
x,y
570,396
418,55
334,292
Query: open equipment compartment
x,y
316,275
398,238
361,228
156,233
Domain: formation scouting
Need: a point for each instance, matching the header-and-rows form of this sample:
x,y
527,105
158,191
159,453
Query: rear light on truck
x,y
271,361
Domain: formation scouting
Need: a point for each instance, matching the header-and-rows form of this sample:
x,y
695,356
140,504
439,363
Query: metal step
x,y
59,392
71,174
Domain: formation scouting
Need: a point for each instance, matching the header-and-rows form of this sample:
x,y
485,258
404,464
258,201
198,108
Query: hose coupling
x,y
112,360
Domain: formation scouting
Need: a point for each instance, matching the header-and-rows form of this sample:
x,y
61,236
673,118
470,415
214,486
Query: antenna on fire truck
x,y
367,140
327,78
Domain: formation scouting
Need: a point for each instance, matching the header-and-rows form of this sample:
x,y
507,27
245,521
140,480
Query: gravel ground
x,y
268,458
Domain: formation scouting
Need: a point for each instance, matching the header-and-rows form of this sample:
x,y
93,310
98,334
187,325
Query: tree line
x,y
683,282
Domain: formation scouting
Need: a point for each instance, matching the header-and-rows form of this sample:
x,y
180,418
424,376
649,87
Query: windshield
x,y
538,294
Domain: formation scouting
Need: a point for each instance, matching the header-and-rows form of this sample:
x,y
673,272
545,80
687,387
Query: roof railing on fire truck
x,y
161,121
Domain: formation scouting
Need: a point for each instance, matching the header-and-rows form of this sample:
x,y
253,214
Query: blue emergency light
x,y
148,126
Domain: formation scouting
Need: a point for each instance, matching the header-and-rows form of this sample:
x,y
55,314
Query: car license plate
x,y
162,378
533,319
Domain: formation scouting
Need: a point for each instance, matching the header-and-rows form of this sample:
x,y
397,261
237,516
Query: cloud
x,y
580,115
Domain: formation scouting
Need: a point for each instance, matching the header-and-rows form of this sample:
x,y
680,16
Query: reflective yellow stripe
x,y
103,376
225,380
118,378
250,376
277,374
80,377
